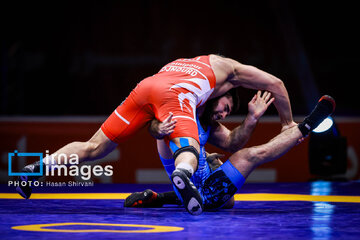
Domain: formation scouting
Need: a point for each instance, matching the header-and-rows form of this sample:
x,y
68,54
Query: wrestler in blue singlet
x,y
215,187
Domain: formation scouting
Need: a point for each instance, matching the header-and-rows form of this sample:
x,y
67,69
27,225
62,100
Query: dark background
x,y
84,57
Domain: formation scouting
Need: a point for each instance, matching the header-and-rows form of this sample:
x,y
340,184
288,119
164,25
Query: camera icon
x,y
16,153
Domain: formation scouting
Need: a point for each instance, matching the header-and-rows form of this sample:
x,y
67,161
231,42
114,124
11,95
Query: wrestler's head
x,y
221,107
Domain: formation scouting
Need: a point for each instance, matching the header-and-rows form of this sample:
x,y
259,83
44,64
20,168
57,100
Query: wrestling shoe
x,y
191,197
25,191
145,199
324,108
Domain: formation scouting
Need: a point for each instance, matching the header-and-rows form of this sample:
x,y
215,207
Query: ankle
x,y
304,128
187,167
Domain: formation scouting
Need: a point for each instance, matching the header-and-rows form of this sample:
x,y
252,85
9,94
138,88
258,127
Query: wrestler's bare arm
x,y
252,77
230,73
234,140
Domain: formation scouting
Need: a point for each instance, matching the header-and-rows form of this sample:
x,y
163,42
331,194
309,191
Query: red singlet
x,y
179,87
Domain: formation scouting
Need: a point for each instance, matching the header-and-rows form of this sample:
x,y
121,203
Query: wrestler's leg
x,y
150,198
121,124
225,181
98,146
230,176
166,155
186,155
247,159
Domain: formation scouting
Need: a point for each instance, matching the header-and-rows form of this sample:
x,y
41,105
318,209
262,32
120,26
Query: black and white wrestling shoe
x,y
324,108
25,189
189,194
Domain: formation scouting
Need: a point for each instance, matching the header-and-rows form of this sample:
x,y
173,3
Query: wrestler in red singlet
x,y
179,87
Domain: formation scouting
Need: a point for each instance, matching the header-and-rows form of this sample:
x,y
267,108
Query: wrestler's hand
x,y
214,160
259,104
161,129
167,126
